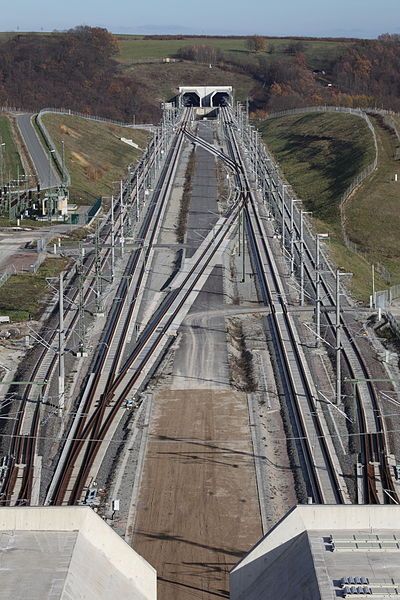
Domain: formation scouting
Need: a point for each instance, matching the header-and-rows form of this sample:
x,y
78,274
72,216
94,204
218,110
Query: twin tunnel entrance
x,y
202,96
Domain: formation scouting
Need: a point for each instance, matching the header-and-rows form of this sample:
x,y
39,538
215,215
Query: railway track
x,y
19,479
373,439
112,379
323,484
148,344
92,416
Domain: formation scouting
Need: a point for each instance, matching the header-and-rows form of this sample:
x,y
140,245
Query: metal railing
x,y
73,113
12,270
67,111
384,298
5,275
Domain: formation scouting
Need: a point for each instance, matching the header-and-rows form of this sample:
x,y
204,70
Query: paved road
x,y
40,157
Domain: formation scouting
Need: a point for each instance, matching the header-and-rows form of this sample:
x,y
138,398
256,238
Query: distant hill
x,y
91,70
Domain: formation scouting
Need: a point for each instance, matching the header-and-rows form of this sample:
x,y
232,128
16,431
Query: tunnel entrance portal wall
x,y
209,96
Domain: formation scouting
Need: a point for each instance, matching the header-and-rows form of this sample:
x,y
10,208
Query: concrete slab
x,y
68,553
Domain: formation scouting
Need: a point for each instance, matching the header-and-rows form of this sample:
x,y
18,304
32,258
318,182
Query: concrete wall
x,y
206,93
312,518
108,559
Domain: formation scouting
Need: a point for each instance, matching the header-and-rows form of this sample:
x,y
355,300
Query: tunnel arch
x,y
191,99
220,99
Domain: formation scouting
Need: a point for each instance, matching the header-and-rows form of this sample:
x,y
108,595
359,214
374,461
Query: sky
x,y
351,18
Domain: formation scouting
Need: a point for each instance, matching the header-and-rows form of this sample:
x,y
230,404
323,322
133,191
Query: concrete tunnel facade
x,y
205,96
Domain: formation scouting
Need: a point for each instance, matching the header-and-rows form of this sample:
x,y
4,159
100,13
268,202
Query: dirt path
x,y
198,510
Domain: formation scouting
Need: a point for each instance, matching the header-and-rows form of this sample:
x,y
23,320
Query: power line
x,y
182,440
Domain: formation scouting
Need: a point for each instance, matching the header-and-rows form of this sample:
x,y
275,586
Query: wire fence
x,y
384,298
5,276
73,113
12,270
359,179
83,115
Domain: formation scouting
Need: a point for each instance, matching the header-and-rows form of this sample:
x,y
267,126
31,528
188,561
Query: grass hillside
x,y
373,214
94,154
161,81
320,154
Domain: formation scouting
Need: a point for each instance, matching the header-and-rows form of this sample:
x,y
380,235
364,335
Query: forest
x,y
78,69
75,69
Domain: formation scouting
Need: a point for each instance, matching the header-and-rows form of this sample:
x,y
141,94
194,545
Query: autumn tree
x,y
257,43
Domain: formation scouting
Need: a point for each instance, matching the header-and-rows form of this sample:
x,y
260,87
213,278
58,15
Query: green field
x,y
373,214
135,48
94,154
320,154
11,160
22,296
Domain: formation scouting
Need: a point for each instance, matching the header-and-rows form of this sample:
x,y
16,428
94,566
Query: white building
x,y
324,552
68,553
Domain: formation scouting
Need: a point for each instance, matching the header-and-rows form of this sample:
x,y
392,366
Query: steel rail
x,y
292,362
373,443
94,421
170,314
24,447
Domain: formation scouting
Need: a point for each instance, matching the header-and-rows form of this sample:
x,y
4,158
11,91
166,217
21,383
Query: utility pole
x,y
81,305
318,237
283,215
2,145
61,347
302,213
301,258
112,240
122,215
256,156
137,195
292,232
239,219
18,192
98,275
339,274
243,247
63,162
338,342
373,286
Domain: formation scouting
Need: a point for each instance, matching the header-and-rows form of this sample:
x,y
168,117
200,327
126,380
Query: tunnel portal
x,y
205,96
